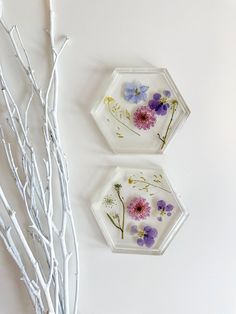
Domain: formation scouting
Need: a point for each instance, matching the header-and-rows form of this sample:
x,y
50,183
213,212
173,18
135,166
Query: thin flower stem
x,y
113,222
126,126
117,188
151,184
163,139
123,213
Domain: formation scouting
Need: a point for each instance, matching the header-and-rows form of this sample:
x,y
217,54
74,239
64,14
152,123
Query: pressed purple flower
x,y
139,208
147,236
159,104
164,209
144,118
135,92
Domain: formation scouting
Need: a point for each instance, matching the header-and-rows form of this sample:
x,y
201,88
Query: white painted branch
x,y
52,283
28,251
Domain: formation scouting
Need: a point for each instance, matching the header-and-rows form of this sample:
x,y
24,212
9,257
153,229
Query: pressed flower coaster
x,y
138,210
140,111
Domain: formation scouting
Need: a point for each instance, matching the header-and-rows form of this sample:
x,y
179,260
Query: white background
x,y
196,41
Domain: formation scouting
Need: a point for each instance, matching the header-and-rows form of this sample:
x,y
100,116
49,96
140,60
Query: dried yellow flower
x,y
108,100
130,180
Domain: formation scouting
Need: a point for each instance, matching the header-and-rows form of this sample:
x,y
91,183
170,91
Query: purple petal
x,y
128,96
159,109
163,112
133,229
143,96
140,242
128,92
157,96
152,233
153,104
130,86
147,229
167,93
161,204
169,214
169,207
165,107
149,241
144,88
134,99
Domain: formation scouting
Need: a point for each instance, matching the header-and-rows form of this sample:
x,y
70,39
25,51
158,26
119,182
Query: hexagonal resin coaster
x,y
138,211
140,111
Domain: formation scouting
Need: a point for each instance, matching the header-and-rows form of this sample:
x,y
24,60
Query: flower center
x,y
143,117
139,208
137,92
141,233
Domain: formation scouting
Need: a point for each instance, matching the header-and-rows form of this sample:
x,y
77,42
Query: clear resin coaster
x,y
140,111
138,211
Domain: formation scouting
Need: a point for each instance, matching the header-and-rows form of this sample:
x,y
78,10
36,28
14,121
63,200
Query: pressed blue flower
x,y
135,92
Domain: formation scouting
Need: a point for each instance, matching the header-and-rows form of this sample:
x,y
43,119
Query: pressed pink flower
x,y
144,118
139,208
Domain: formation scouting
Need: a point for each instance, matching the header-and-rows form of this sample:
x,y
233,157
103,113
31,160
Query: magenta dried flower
x,y
139,208
144,118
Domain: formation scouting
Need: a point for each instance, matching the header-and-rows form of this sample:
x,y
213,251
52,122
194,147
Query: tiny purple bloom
x,y
167,93
133,229
164,209
169,207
